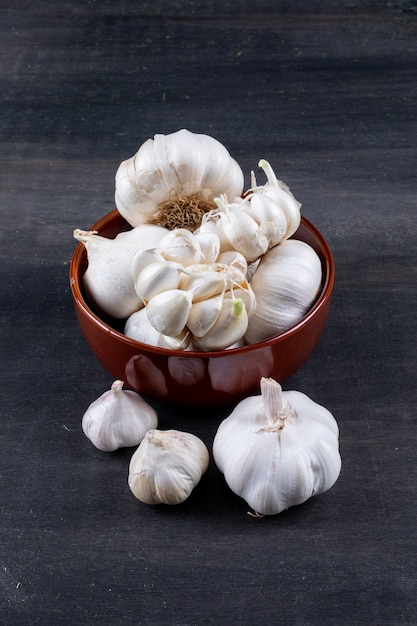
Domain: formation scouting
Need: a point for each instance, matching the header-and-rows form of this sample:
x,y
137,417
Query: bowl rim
x,y
79,256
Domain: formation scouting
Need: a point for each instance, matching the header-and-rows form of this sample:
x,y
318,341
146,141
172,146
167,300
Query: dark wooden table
x,y
326,91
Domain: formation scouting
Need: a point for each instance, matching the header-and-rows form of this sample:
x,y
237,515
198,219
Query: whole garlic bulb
x,y
285,283
107,279
173,179
278,449
118,419
166,467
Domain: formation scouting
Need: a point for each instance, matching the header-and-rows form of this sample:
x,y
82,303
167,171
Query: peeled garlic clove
x,y
181,246
278,449
156,278
168,311
229,327
285,283
167,466
107,279
117,419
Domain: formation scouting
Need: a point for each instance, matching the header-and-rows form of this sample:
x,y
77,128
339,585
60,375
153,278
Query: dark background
x,y
326,91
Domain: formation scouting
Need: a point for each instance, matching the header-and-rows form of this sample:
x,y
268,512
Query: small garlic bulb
x,y
118,419
278,449
167,466
173,179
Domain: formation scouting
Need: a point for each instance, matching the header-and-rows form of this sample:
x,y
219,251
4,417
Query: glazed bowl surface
x,y
199,378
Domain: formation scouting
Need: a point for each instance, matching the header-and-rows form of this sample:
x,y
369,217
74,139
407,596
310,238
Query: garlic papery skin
x,y
167,466
286,284
118,419
210,246
107,279
278,449
173,179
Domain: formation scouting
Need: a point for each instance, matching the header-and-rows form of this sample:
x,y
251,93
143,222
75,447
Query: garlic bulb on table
x,y
173,179
118,419
278,449
285,283
166,467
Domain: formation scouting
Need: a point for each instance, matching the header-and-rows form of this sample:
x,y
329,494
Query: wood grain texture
x,y
325,91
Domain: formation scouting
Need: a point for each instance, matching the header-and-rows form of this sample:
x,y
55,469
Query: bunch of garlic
x,y
166,466
190,303
263,218
278,449
119,418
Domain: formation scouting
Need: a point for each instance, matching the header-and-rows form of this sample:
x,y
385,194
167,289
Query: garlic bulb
x,y
278,449
107,279
118,419
173,179
167,466
285,283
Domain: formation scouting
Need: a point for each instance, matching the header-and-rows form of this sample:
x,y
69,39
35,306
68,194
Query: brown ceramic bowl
x,y
199,378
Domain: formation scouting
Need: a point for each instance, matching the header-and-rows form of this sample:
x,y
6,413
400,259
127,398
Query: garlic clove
x,y
139,328
229,327
167,466
142,259
181,246
203,315
156,278
203,281
234,259
210,246
168,311
118,418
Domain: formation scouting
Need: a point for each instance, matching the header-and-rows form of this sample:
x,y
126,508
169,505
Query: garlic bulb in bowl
x,y
172,180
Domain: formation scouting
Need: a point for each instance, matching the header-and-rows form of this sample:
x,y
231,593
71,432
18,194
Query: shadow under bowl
x,y
199,378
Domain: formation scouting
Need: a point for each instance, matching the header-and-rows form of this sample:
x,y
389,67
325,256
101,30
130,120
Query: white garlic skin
x,y
118,419
166,467
276,464
285,283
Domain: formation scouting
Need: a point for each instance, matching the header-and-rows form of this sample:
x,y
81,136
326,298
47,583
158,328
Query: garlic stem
x,y
269,172
275,410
